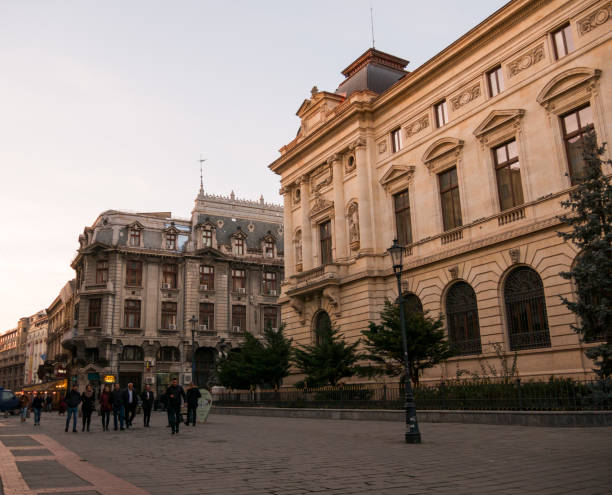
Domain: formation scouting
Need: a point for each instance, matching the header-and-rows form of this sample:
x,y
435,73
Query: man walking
x,y
73,399
175,395
148,398
130,401
117,402
37,407
193,394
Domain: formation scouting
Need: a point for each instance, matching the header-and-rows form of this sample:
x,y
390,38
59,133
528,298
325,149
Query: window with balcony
x,y
95,312
207,277
207,238
270,317
462,318
495,81
325,240
133,276
101,272
238,318
269,284
238,280
576,124
134,237
207,316
168,316
396,140
441,113
449,196
169,275
403,224
562,41
508,173
132,313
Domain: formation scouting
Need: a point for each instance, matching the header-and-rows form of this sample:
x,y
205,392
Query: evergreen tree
x,y
426,342
276,357
590,221
328,360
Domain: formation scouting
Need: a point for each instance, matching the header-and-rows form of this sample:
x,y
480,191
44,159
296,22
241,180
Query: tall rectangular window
x,y
133,274
135,237
95,312
562,41
269,283
171,241
576,124
169,275
270,317
495,80
401,204
238,318
207,315
396,140
508,173
238,280
441,113
207,238
207,277
269,248
449,195
101,272
326,242
132,313
168,316
238,245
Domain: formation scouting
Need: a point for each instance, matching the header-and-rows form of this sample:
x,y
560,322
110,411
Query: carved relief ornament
x,y
595,19
320,207
465,97
396,177
443,153
417,126
358,143
526,60
499,125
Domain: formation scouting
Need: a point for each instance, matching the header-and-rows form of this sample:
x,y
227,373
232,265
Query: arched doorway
x,y
322,326
204,366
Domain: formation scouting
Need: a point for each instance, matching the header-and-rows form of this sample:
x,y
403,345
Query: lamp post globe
x,y
413,434
193,320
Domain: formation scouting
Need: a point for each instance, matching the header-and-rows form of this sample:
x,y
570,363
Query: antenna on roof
x,y
202,160
372,23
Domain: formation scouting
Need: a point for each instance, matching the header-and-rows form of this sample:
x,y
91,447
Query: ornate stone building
x,y
465,160
36,347
12,356
62,316
145,280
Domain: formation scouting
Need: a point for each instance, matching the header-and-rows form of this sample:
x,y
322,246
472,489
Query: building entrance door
x,y
204,366
130,377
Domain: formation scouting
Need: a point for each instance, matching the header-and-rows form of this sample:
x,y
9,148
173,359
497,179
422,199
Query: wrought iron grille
x,y
526,310
462,315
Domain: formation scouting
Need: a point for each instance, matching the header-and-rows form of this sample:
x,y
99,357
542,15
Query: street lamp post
x,y
412,426
193,320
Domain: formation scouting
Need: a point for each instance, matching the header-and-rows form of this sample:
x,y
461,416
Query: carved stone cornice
x,y
442,153
358,143
499,122
336,157
526,60
320,207
397,177
595,19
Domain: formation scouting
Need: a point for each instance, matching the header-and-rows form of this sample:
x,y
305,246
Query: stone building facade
x,y
12,356
36,347
62,315
145,280
465,160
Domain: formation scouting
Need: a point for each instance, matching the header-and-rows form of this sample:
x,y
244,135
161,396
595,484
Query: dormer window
x,y
238,246
269,248
171,241
135,237
207,238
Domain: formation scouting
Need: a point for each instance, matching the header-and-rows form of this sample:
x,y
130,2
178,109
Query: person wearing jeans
x,y
37,406
175,395
24,402
117,402
193,394
73,399
106,406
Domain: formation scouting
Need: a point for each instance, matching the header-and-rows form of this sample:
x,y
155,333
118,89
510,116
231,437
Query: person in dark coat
x,y
193,394
148,398
48,402
73,399
37,406
106,406
88,398
130,402
175,395
118,409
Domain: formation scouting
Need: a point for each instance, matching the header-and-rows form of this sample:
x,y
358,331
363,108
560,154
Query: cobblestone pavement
x,y
238,455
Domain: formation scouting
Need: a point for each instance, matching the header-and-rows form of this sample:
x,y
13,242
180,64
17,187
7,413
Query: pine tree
x,y
328,360
426,339
275,358
590,221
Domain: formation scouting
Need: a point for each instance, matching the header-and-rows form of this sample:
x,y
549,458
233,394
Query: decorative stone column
x,y
365,201
288,232
340,223
307,260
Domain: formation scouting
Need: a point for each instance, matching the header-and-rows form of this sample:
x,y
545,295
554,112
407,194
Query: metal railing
x,y
483,395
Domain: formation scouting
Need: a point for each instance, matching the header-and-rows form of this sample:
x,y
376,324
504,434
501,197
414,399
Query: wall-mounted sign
x,y
60,371
109,378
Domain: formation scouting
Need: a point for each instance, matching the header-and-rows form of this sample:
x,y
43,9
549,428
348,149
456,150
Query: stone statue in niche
x,y
353,221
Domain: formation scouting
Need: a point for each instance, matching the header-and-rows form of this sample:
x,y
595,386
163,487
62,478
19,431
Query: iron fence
x,y
482,395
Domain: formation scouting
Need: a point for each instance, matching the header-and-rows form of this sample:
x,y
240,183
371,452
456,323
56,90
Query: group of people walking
x,y
122,404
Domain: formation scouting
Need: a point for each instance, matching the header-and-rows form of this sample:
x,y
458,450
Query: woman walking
x,y
106,406
88,399
37,406
24,402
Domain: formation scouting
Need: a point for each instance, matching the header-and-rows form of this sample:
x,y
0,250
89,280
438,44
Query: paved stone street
x,y
238,455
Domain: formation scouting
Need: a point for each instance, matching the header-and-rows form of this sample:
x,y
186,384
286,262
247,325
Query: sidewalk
x,y
238,455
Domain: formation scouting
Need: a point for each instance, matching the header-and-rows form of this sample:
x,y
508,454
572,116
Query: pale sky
x,y
108,105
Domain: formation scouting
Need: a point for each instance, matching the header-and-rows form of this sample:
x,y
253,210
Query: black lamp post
x,y
412,426
193,320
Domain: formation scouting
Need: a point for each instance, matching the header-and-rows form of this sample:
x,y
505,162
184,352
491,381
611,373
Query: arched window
x,y
526,310
322,326
462,316
168,354
132,353
412,304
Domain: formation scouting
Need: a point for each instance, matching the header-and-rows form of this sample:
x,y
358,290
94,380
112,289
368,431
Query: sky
x,y
109,105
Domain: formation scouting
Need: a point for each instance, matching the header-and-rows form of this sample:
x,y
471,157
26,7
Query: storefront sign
x,y
60,372
109,378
